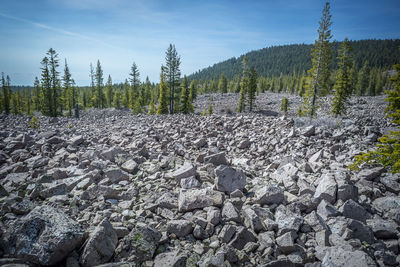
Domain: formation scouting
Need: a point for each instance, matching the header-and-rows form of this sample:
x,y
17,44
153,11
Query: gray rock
x,y
286,242
191,182
198,143
167,200
44,236
230,213
338,256
192,199
56,190
308,131
326,189
214,216
130,166
139,245
55,140
361,231
116,175
228,179
370,174
227,233
326,210
391,184
100,245
270,195
254,217
170,259
287,219
180,227
111,153
216,159
242,237
383,229
185,171
77,140
353,210
244,144
347,190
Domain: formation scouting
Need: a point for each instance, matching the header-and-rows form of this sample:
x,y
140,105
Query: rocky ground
x,y
258,189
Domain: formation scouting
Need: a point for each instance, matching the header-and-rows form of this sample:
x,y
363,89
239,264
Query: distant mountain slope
x,y
285,59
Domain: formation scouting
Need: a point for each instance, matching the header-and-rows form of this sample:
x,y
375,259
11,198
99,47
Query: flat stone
x,y
185,171
270,195
180,228
192,199
216,159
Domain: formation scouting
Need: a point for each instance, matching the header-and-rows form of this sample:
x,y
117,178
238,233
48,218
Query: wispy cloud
x,y
58,30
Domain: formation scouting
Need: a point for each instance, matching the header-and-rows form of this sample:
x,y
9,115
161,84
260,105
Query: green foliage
x,y
387,152
134,88
204,112
363,79
152,109
34,122
289,59
244,84
172,74
223,84
5,88
285,105
252,89
185,97
321,61
163,102
99,98
210,110
343,81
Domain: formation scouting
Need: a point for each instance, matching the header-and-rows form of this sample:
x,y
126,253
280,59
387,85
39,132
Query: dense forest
x,y
288,59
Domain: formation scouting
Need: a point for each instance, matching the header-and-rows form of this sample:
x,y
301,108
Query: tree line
x,y
55,93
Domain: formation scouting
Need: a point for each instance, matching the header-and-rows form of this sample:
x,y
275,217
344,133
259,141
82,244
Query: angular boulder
x,y
228,179
45,236
100,245
139,245
270,195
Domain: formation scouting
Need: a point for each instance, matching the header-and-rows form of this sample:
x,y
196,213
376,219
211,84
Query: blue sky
x,y
119,32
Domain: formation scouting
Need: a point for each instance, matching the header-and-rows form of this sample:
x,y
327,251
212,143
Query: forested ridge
x,y
288,59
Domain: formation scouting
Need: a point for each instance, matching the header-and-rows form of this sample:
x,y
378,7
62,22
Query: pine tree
x,y
353,77
363,79
210,110
163,100
99,86
185,95
6,94
244,84
223,84
67,82
343,80
372,82
54,81
27,101
117,99
252,88
109,92
92,87
46,92
321,61
36,94
125,98
134,80
173,74
192,95
285,104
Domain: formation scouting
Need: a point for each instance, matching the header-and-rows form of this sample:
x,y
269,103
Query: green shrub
x,y
285,105
34,123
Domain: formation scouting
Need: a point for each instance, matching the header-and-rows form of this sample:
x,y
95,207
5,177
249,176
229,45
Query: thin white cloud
x,y
58,30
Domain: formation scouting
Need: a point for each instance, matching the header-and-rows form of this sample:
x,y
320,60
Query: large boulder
x,y
216,159
45,236
180,227
326,189
339,256
270,195
139,245
185,171
228,179
100,246
192,199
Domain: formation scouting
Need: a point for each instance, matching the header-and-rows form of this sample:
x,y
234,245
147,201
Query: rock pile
x,y
246,189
